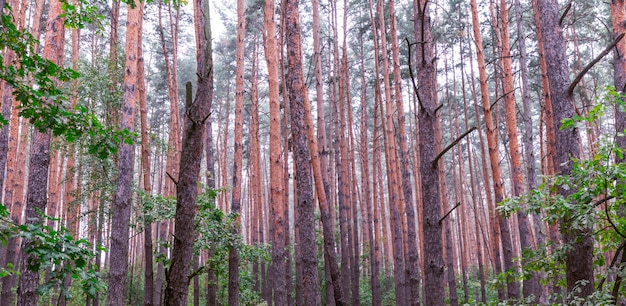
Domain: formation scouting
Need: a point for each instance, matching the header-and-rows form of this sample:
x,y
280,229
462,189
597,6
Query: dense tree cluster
x,y
326,152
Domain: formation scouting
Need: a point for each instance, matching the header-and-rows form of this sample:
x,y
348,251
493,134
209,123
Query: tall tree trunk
x,y
412,262
497,221
545,89
197,112
235,205
450,257
255,193
71,181
578,258
531,285
147,184
122,204
173,142
277,203
618,18
36,198
302,156
319,154
393,181
428,121
366,198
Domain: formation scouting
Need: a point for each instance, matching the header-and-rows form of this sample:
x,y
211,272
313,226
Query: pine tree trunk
x,y
147,184
450,257
235,204
500,228
428,121
122,204
197,111
618,18
173,142
36,198
531,285
304,188
578,258
320,169
412,262
393,181
545,89
366,198
277,203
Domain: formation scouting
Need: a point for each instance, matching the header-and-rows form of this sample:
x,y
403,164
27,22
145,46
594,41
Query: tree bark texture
x,y
431,200
304,188
579,258
618,18
36,197
122,204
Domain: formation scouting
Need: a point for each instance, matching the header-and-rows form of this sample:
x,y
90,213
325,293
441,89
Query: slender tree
x,y
277,204
118,269
531,285
618,18
235,204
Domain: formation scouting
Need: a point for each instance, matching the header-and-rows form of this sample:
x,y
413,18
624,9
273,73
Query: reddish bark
x,y
122,204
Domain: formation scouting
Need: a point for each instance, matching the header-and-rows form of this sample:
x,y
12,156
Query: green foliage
x,y
55,251
215,234
37,87
77,15
597,197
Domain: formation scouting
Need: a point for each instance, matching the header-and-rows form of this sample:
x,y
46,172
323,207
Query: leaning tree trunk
x,y
197,111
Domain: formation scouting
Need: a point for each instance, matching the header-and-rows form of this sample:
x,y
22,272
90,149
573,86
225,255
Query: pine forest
x,y
323,152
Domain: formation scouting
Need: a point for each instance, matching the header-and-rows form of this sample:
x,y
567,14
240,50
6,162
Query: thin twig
x,y
197,272
569,6
608,218
438,108
450,146
172,178
413,77
579,77
600,202
500,98
451,210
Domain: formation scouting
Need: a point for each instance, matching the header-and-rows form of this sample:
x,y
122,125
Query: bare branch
x,y
438,107
569,6
413,76
450,146
579,77
172,178
451,210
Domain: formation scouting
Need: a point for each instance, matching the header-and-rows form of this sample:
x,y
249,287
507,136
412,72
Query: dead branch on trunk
x,y
450,146
579,77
